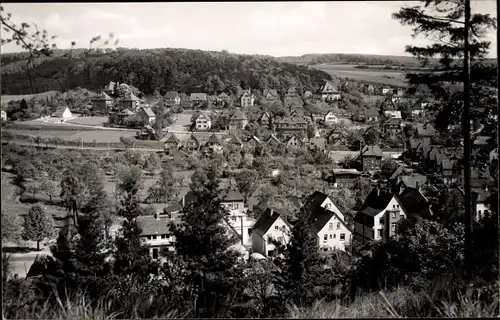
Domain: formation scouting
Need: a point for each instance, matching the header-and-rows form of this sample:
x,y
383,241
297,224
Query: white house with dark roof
x,y
328,222
156,234
382,211
203,122
329,91
269,228
238,218
238,120
147,115
172,98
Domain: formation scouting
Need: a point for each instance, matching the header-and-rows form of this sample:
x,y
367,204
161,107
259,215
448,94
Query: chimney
x,y
157,216
417,185
271,212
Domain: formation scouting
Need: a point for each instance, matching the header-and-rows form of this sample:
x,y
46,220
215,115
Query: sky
x,y
268,28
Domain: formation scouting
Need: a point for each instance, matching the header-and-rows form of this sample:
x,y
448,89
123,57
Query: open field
x,y
100,136
388,77
8,97
89,121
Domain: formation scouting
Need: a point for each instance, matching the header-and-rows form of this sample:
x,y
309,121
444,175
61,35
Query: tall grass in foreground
x,y
401,302
79,307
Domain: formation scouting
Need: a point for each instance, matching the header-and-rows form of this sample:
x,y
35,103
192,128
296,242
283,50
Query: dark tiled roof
x,y
238,115
233,195
172,138
214,139
266,220
410,181
271,92
371,151
150,225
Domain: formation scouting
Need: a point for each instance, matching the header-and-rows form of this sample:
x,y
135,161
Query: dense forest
x,y
154,69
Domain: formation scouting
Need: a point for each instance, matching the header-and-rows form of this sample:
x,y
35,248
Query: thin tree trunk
x,y
38,245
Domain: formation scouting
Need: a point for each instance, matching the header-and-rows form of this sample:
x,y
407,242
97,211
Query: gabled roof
x,y
392,121
232,195
266,220
149,112
393,113
238,115
103,97
127,112
171,94
410,181
291,120
266,114
234,139
172,138
293,136
193,138
371,151
223,95
173,208
331,84
272,92
273,138
414,203
198,96
213,139
374,203
319,216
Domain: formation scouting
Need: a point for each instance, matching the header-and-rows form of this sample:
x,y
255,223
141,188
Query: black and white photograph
x,y
300,159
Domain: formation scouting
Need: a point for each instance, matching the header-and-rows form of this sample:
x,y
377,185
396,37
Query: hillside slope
x,y
163,69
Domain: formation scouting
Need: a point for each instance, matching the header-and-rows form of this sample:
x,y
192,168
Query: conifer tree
x,y
203,246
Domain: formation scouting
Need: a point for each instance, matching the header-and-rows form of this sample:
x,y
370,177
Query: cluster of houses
x,y
259,235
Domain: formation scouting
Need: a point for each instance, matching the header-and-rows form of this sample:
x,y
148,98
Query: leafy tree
x,y
203,246
129,185
152,163
298,279
388,167
11,228
247,181
72,189
127,142
165,188
371,137
38,225
50,187
443,21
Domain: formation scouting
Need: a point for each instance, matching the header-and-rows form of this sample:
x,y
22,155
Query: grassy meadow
x,y
388,77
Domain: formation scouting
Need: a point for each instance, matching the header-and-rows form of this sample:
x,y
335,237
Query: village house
x,y
336,137
407,181
293,102
203,122
382,211
213,140
238,218
371,158
156,234
233,140
238,121
129,102
192,143
223,97
330,118
270,95
147,132
297,112
269,228
172,98
371,115
252,143
110,88
292,92
3,115
392,127
197,98
480,203
287,126
386,91
171,143
246,99
345,178
147,116
102,103
119,117
293,142
328,222
265,119
329,91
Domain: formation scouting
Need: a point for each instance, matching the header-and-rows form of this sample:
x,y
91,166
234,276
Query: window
x,y
331,236
330,226
276,228
233,218
401,216
342,236
325,238
149,237
479,211
380,233
393,206
486,212
155,253
280,239
334,235
393,227
381,220
338,225
163,236
394,215
154,237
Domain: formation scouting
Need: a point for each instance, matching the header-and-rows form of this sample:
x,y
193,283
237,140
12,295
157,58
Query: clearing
x,y
5,98
388,77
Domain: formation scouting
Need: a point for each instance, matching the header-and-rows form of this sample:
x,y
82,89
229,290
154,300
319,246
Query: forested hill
x,y
345,58
163,69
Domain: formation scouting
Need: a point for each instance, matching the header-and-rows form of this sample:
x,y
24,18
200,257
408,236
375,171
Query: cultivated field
x,y
88,136
388,77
